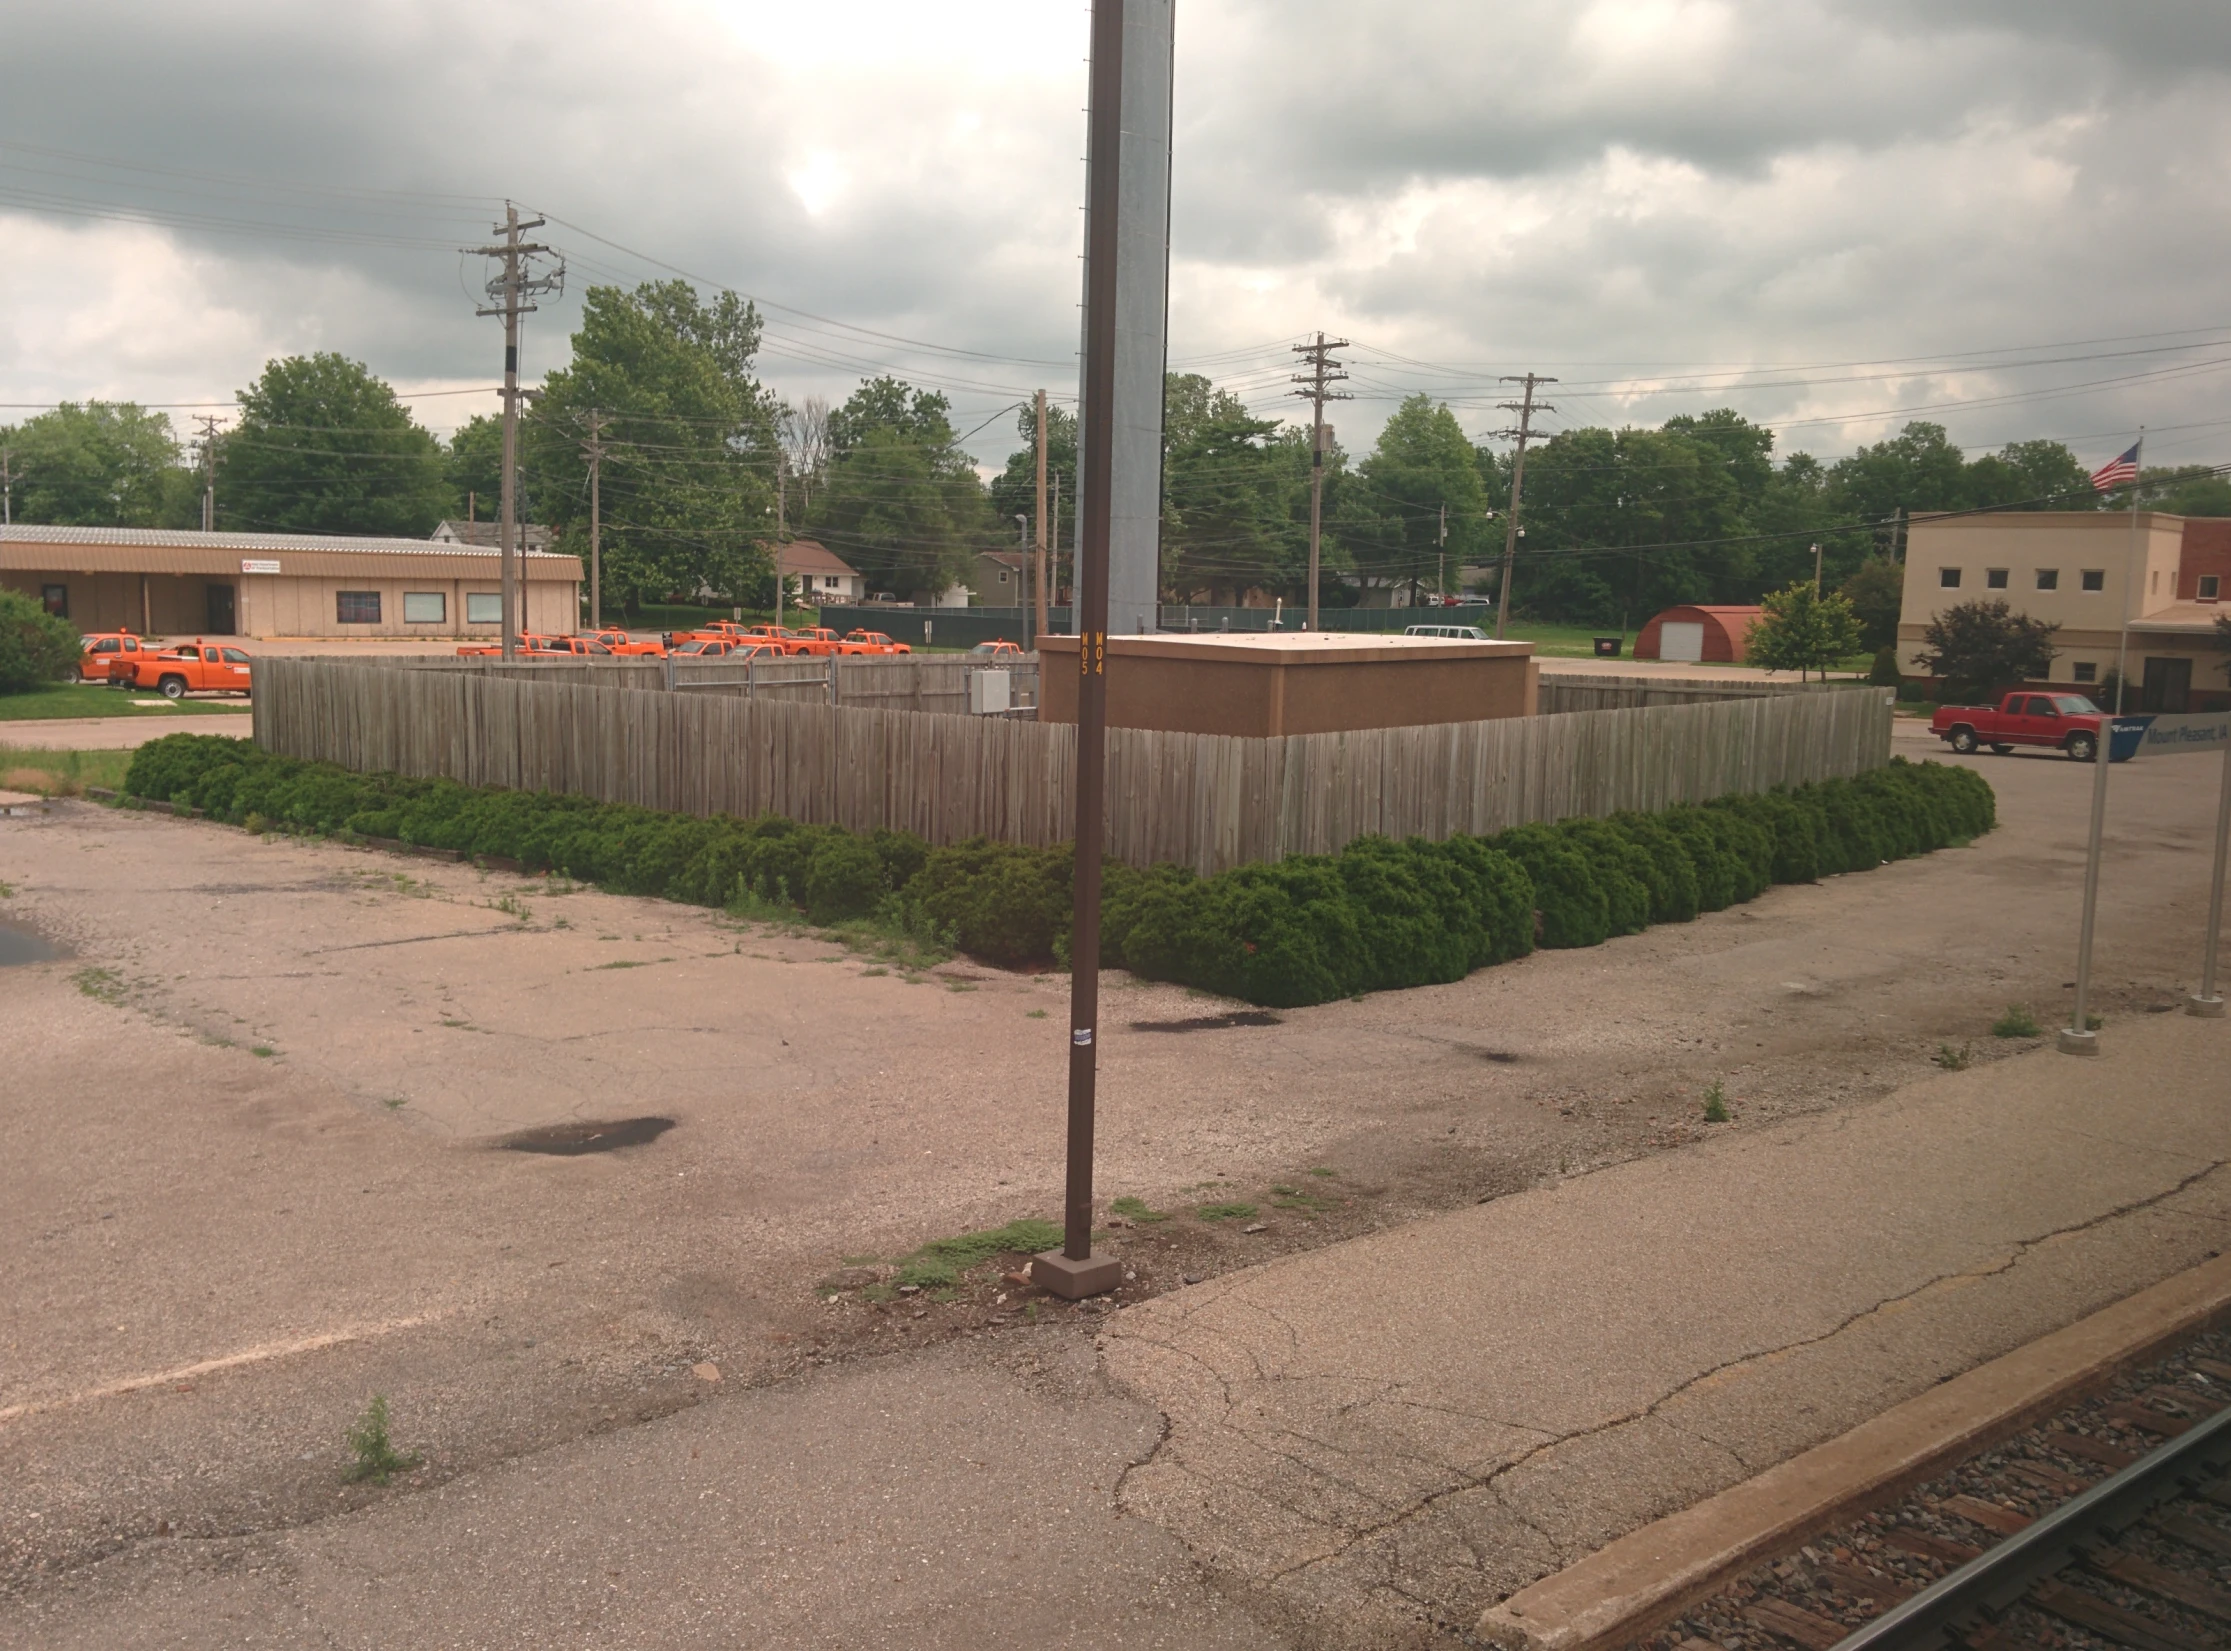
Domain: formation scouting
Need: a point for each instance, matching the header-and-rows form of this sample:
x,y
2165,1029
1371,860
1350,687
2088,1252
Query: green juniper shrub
x,y
1570,901
1675,885
1308,929
1622,866
35,647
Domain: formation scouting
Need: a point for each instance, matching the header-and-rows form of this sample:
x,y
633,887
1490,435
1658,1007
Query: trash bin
x,y
1607,647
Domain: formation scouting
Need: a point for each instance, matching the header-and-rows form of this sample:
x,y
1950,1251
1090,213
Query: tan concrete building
x,y
2090,574
1264,684
160,582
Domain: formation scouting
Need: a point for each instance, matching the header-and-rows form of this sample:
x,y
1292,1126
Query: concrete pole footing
x,y
2073,1042
2209,1008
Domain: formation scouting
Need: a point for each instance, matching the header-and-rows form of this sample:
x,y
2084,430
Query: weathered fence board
x,y
1207,801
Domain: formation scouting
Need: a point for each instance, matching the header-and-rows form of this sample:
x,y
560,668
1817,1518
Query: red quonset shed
x,y
1710,636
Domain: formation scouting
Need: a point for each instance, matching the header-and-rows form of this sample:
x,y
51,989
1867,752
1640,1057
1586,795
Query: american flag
x,y
2115,472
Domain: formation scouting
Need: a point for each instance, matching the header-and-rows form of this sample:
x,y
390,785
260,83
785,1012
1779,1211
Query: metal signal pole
x,y
1323,371
1074,1271
511,289
1040,565
1526,407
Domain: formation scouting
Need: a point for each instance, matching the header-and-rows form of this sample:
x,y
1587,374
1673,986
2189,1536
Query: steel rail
x,y
1994,1582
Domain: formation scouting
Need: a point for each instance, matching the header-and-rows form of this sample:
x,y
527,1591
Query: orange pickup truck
x,y
875,642
536,646
623,645
196,667
103,649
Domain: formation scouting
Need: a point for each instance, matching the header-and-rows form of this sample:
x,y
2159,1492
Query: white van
x,y
1450,633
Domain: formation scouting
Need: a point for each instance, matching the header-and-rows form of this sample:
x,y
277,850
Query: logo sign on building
x,y
2179,736
249,564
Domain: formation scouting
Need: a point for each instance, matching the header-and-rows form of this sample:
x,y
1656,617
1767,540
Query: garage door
x,y
1679,641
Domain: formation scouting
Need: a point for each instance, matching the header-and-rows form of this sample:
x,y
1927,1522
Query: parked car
x,y
721,647
724,630
1450,633
534,645
997,650
625,646
101,651
875,642
2065,722
196,667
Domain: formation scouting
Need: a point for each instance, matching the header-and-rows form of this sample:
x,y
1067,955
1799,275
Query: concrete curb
x,y
1645,1578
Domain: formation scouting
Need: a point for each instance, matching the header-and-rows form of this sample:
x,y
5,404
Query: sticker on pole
x,y
2179,736
1081,1036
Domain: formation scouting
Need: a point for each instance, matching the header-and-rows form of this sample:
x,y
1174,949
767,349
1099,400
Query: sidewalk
x,y
117,733
1400,1431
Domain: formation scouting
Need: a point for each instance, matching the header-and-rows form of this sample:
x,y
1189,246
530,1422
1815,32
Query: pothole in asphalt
x,y
572,1140
1210,1023
19,945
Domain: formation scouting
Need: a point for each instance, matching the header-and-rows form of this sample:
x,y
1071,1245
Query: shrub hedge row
x,y
1377,915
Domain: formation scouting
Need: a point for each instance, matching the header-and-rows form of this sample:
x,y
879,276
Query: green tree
x,y
900,501
1421,473
322,446
1877,592
2042,475
1228,485
99,464
2189,490
1982,646
690,442
35,647
1917,469
474,465
1801,631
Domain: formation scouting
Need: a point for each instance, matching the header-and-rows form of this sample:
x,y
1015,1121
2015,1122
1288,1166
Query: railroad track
x,y
2107,1526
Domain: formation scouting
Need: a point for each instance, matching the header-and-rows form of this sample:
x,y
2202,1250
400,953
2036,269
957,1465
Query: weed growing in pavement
x,y
255,825
748,904
872,971
1036,1014
1951,1059
1225,1212
960,986
1135,1209
938,1265
617,963
105,985
2093,1023
7,891
377,1459
395,1103
512,906
1322,1170
899,932
1306,1204
263,1051
1715,1104
2017,1022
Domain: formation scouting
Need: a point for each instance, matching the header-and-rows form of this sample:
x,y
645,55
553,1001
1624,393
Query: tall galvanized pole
x,y
1074,1271
1040,568
594,448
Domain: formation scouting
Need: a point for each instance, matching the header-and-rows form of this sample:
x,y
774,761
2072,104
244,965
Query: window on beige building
x,y
2095,578
1949,578
2086,671
356,607
1994,578
484,607
425,607
2048,578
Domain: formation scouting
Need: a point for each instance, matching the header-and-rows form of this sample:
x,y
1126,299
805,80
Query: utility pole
x,y
782,525
1323,371
1055,556
511,289
7,491
208,423
1525,407
1816,573
1039,566
1441,558
593,449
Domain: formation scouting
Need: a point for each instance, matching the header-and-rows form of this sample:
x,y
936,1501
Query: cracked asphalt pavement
x,y
251,1183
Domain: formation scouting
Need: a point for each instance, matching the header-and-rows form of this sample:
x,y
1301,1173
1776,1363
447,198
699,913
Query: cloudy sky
x,y
1835,215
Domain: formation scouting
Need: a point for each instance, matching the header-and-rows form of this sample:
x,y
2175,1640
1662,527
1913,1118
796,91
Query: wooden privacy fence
x,y
896,682
1207,801
1563,691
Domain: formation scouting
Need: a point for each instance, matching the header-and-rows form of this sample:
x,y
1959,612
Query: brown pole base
x,y
1057,1275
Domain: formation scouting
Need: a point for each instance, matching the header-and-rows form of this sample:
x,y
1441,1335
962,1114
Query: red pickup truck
x,y
2064,722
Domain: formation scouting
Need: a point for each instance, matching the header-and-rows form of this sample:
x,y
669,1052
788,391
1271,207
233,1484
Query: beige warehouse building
x,y
2090,574
163,582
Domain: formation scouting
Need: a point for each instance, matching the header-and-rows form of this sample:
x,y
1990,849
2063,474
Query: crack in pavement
x,y
1491,1480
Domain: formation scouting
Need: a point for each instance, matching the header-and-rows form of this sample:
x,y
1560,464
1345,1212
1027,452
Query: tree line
x,y
705,466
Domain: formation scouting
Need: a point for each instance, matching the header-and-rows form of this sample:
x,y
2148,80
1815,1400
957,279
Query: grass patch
x,y
263,1051
1135,1209
1225,1212
616,963
104,985
1951,1059
872,971
1322,1170
377,1459
7,891
395,1103
938,1265
1036,1014
960,986
2017,1022
61,773
1715,1104
512,907
87,699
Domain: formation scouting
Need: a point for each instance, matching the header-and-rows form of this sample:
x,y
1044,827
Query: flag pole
x,y
2136,573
